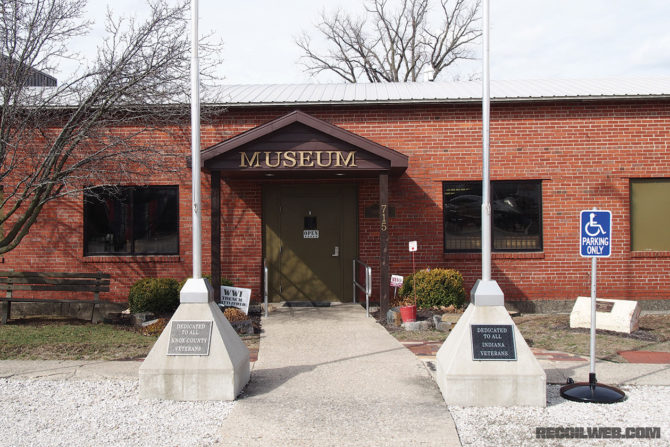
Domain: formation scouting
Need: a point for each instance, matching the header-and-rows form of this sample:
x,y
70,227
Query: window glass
x,y
462,216
107,222
650,213
516,211
155,220
516,215
131,221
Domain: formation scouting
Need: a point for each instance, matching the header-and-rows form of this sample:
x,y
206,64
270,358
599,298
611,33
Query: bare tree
x,y
90,130
393,45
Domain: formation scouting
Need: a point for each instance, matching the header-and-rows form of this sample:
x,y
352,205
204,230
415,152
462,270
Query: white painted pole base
x,y
221,375
196,291
487,293
469,383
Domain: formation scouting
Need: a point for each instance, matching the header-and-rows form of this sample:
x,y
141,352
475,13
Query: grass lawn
x,y
553,332
52,338
55,338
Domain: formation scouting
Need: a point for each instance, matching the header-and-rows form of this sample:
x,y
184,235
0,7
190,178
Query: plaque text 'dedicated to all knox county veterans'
x,y
190,338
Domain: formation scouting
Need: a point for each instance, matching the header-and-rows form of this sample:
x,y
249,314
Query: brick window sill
x,y
162,259
494,255
650,254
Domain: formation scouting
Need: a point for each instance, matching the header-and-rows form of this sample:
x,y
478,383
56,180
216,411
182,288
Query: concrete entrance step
x,y
307,304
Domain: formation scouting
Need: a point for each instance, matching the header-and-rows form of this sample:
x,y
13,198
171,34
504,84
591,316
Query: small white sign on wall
x,y
396,281
412,246
310,234
236,297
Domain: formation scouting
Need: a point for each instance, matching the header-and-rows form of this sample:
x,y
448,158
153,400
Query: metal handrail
x,y
265,285
367,288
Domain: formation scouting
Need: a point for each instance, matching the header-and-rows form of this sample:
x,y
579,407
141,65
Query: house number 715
x,y
384,218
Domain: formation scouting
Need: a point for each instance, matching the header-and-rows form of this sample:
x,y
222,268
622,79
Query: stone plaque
x,y
612,315
604,306
493,342
190,338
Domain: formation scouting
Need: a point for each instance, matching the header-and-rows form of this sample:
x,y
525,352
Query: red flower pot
x,y
408,313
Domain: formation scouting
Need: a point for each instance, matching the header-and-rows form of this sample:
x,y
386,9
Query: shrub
x,y
157,295
434,288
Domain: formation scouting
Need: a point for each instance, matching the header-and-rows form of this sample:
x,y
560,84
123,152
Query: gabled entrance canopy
x,y
298,145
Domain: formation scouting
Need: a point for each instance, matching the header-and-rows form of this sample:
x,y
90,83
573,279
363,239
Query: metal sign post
x,y
595,241
412,249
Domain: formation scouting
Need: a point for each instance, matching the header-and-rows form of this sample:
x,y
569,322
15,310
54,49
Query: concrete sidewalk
x,y
69,369
608,373
333,377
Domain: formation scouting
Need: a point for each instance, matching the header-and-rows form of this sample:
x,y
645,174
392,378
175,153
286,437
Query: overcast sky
x,y
530,39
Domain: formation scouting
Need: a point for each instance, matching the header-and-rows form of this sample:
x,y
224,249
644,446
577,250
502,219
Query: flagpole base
x,y
591,392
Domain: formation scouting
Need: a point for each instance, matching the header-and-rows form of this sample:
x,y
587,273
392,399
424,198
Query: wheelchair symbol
x,y
593,228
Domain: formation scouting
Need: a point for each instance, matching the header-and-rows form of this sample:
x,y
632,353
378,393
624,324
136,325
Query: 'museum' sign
x,y
298,159
493,342
190,338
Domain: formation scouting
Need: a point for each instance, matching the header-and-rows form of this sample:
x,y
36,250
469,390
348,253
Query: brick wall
x,y
584,152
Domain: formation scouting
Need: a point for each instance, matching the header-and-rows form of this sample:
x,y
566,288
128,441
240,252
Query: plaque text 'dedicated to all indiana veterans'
x,y
493,342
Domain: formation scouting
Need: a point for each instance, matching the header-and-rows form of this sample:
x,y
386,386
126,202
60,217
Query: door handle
x,y
336,252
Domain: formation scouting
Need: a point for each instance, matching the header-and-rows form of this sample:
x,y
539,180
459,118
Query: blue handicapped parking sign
x,y
595,233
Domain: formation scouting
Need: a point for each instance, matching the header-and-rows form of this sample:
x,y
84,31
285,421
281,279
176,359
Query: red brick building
x,y
302,190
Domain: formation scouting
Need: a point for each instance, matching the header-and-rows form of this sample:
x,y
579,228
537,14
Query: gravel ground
x,y
109,413
645,406
101,413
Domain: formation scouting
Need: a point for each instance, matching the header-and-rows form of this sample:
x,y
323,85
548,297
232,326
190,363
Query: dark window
x,y
131,221
649,214
310,223
516,208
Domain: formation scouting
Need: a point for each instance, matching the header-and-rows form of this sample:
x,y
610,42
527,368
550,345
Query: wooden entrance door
x,y
310,241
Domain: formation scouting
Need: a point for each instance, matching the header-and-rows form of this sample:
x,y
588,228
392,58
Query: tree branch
x,y
392,44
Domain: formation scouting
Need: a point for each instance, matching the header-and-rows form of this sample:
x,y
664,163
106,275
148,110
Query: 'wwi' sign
x,y
236,297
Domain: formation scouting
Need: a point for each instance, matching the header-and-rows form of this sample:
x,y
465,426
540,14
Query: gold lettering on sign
x,y
349,161
383,210
289,159
246,162
305,159
301,159
318,160
267,160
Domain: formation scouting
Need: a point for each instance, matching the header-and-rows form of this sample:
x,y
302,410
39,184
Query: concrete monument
x,y
199,356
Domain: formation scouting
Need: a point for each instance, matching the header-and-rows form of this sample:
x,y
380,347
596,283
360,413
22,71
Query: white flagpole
x,y
195,144
486,186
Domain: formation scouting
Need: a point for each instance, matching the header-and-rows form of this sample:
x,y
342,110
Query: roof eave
x,y
439,101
